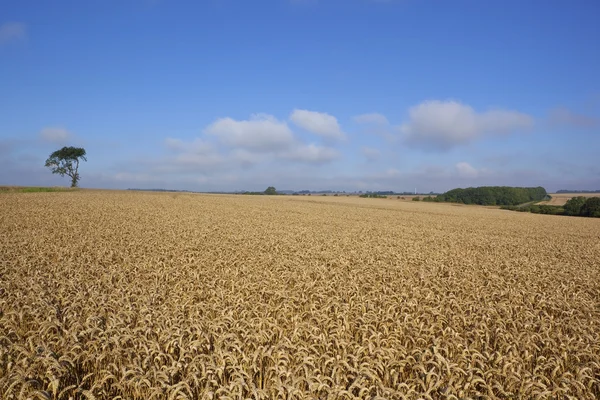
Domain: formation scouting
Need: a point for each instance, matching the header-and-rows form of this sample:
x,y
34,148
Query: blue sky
x,y
303,94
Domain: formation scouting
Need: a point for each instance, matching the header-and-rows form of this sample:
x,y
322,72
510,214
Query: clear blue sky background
x,y
303,94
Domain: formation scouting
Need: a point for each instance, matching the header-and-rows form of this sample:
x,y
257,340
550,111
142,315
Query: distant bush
x,y
537,209
373,196
591,208
416,199
583,207
551,210
494,195
573,206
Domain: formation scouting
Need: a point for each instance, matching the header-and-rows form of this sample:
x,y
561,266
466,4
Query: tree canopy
x,y
573,205
494,195
65,161
271,191
591,207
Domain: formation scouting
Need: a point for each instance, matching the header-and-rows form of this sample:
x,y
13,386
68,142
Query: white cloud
x,y
11,31
371,118
370,153
55,135
465,170
445,124
206,164
311,154
261,133
321,124
261,140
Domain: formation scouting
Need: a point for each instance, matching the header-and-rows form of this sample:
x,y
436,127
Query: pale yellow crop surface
x,y
183,296
559,199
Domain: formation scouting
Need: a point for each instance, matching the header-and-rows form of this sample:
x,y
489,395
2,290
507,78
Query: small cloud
x,y
12,31
319,123
262,133
465,170
55,135
564,116
371,119
370,153
442,125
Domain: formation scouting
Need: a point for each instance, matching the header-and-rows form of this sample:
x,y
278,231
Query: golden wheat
x,y
154,296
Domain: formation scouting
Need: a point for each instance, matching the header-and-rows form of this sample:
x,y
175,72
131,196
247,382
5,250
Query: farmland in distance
x,y
161,295
559,199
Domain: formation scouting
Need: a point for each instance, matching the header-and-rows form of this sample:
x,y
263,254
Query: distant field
x,y
354,195
559,199
33,189
140,295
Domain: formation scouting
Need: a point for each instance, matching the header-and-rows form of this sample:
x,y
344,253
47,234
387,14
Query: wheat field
x,y
139,295
559,199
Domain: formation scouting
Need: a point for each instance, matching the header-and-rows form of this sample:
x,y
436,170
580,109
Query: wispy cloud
x,y
55,135
371,118
564,116
12,31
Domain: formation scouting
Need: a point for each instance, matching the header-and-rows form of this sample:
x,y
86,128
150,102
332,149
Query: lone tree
x,y
271,190
66,162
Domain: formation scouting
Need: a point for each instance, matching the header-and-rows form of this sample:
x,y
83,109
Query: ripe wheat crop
x,y
161,296
559,199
